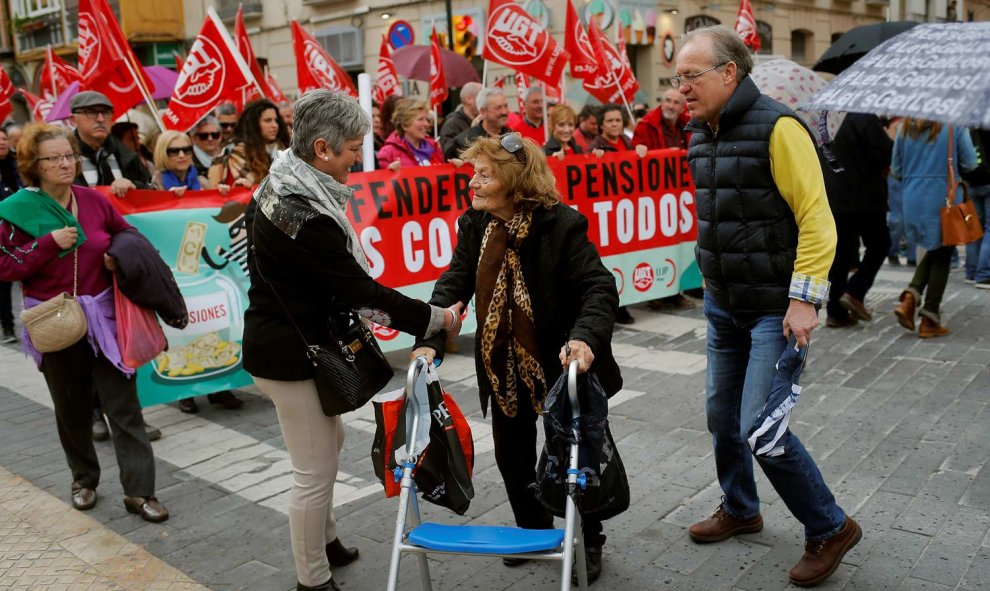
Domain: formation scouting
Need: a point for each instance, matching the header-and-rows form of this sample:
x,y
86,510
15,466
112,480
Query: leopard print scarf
x,y
509,350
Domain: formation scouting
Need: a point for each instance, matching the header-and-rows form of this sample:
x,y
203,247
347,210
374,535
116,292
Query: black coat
x,y
573,294
455,124
553,146
863,149
130,165
145,279
316,278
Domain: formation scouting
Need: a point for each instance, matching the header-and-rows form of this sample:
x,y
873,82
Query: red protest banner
x,y
106,62
6,91
583,62
314,66
213,73
243,43
438,80
56,75
515,39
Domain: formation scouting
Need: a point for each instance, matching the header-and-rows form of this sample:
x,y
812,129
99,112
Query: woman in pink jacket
x,y
409,144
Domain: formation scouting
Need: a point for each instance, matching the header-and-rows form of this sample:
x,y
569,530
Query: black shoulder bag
x,y
348,371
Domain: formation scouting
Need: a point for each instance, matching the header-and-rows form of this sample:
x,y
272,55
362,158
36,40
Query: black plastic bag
x,y
607,486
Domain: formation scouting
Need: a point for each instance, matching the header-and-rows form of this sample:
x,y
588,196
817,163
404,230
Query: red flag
x,y
274,90
106,62
438,80
38,106
179,60
611,68
243,44
522,83
214,73
583,62
6,91
314,66
515,39
746,26
387,83
56,75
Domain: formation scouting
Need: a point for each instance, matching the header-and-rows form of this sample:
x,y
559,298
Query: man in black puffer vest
x,y
766,240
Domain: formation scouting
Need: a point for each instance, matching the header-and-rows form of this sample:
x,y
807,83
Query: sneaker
x,y
722,526
9,338
982,284
821,558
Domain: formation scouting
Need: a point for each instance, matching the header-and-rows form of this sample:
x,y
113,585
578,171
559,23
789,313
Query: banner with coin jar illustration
x,y
640,214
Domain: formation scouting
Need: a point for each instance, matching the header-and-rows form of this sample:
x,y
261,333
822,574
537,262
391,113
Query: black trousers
x,y
73,375
872,229
516,456
6,306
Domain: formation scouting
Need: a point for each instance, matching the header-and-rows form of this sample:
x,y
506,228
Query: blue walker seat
x,y
485,539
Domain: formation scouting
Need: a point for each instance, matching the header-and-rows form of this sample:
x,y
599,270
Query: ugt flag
x,y
243,43
438,80
56,75
106,62
746,26
583,62
387,82
513,38
213,73
314,66
6,91
613,79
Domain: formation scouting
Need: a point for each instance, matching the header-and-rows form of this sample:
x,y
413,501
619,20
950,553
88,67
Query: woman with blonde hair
x,y
563,122
409,144
920,160
543,298
174,168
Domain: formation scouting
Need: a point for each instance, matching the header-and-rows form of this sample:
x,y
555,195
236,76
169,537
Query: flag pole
x,y
51,72
484,75
435,133
546,119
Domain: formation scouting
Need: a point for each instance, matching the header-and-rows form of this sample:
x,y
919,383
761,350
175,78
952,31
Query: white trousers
x,y
314,442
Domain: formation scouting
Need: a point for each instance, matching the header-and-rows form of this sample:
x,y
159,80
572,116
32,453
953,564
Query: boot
x,y
930,328
905,310
339,556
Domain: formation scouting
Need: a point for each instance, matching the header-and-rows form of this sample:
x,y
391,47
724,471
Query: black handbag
x,y
350,369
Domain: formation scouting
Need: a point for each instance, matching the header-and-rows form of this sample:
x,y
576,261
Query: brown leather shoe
x,y
83,499
821,558
338,555
148,508
929,328
722,526
856,307
905,310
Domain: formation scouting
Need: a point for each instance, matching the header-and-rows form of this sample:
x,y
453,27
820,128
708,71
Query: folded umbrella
x,y
768,436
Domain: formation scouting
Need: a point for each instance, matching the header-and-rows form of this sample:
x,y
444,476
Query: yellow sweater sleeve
x,y
797,172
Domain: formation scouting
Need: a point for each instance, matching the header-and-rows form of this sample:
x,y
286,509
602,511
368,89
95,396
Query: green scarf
x,y
34,212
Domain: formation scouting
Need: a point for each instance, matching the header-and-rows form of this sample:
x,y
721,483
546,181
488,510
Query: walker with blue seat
x,y
478,540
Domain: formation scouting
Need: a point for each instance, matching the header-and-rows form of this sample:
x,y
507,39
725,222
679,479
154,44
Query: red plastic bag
x,y
139,335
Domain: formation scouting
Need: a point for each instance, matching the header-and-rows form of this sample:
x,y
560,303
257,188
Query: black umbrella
x,y
856,43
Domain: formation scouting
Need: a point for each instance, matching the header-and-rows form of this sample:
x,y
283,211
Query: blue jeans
x,y
978,253
742,353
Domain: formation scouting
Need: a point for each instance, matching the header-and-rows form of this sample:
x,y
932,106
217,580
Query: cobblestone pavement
x,y
900,428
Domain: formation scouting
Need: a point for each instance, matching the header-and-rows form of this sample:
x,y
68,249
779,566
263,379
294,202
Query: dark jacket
x,y
573,294
600,143
130,165
316,278
466,138
553,146
979,176
10,178
863,149
145,279
747,235
455,124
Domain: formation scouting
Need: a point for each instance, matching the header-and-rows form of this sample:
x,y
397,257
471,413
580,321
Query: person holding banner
x,y
206,142
174,170
529,121
105,160
53,239
259,133
612,137
308,266
410,144
494,112
563,122
543,299
766,240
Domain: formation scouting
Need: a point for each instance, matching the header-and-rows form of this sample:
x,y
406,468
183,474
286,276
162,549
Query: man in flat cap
x,y
105,160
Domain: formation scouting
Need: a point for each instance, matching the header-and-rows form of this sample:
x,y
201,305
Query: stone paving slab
x,y
897,424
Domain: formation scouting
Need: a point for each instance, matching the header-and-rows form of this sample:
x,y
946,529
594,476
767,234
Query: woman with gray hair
x,y
308,271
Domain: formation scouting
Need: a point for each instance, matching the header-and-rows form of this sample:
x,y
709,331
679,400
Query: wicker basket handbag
x,y
58,323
